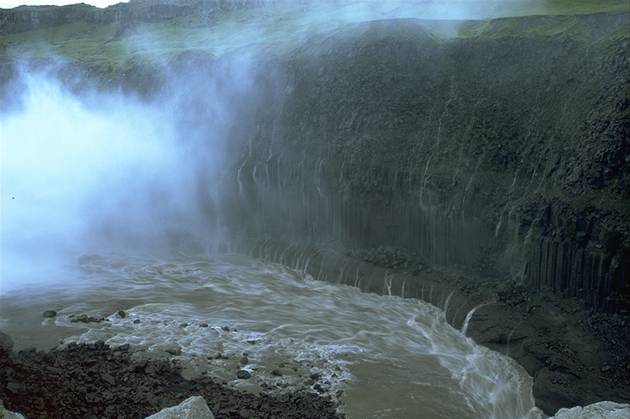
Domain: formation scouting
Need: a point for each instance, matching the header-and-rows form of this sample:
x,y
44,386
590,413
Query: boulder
x,y
192,408
49,314
243,374
601,410
6,414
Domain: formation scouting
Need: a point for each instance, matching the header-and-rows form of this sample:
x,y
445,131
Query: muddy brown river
x,y
381,356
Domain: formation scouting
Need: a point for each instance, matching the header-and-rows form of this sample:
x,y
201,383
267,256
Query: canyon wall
x,y
506,155
504,150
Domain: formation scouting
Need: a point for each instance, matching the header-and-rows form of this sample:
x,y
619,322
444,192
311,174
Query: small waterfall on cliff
x,y
469,317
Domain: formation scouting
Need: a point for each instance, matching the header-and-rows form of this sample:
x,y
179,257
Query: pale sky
x,y
7,4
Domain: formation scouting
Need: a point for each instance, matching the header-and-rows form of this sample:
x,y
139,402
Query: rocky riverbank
x,y
576,356
95,380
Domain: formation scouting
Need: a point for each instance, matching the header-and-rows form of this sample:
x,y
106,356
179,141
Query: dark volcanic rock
x,y
173,350
6,343
50,314
83,381
243,374
84,318
391,258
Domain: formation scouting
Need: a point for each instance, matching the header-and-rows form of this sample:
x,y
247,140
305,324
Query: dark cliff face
x,y
509,156
506,154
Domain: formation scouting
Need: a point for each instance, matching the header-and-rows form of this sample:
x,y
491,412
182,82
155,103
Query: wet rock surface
x,y
192,408
603,410
84,318
575,356
98,381
389,257
7,414
48,314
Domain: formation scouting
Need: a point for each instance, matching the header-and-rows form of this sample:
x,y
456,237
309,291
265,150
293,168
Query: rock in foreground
x,y
6,414
94,380
192,408
601,410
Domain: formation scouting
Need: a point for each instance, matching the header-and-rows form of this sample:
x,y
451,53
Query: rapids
x,y
381,356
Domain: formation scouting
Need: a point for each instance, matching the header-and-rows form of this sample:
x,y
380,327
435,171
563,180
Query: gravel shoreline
x,y
94,380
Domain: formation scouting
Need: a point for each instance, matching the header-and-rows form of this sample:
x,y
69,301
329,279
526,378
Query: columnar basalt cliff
x,y
507,155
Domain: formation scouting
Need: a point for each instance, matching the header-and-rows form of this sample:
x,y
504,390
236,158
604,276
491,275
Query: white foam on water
x,y
288,322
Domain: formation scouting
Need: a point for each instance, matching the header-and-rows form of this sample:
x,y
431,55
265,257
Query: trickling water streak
x,y
445,112
308,262
280,179
424,181
296,258
239,178
470,181
341,174
446,304
321,268
319,177
410,178
469,317
255,175
268,252
507,204
268,163
459,309
303,260
259,248
498,227
342,273
283,253
509,339
388,284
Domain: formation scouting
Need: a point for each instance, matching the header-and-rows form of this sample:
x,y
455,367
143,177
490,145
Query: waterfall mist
x,y
87,170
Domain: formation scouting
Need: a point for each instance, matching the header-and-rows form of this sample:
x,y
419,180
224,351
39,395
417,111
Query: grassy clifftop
x,y
127,35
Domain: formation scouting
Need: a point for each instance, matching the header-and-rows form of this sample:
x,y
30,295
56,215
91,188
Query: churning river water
x,y
381,356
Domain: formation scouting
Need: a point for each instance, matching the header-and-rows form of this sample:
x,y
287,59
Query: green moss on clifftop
x,y
145,36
